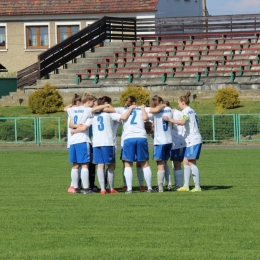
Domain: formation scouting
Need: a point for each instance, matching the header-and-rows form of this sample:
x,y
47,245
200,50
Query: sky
x,y
225,7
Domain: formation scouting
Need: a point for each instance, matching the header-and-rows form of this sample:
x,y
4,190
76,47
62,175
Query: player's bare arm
x,y
127,113
175,121
157,109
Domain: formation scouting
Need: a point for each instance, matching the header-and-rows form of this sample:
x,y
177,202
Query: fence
x,y
53,130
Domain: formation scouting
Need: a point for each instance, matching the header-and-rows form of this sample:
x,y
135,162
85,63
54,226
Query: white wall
x,y
177,8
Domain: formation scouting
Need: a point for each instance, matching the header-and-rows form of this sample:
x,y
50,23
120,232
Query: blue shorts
x,y
193,152
162,152
135,149
80,153
104,155
177,154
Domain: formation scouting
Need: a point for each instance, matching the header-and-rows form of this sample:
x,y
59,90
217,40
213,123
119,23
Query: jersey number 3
x,y
101,126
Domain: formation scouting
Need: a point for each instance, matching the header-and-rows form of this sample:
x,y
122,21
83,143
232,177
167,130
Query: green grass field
x,y
40,220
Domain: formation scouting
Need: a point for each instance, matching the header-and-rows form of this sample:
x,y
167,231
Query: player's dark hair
x,y
148,127
185,98
76,98
167,103
155,101
130,100
103,100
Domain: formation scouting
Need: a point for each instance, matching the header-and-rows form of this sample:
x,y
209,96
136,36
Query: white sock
x,y
186,176
160,177
148,177
85,178
167,174
101,178
74,178
140,176
178,177
196,175
129,178
110,176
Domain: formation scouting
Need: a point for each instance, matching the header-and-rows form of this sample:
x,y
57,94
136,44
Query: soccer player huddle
x,y
92,128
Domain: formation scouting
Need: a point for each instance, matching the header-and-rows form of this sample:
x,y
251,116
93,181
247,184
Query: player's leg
x,y
147,175
92,177
194,168
178,174
74,170
167,179
84,151
142,157
161,155
140,175
98,159
108,155
129,155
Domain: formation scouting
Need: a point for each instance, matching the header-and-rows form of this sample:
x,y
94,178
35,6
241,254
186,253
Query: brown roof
x,y
25,7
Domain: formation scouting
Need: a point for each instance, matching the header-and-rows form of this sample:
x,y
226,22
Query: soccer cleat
x,y
95,189
71,189
195,190
113,191
175,188
87,191
128,192
77,190
142,188
103,192
155,189
149,191
124,188
183,189
169,188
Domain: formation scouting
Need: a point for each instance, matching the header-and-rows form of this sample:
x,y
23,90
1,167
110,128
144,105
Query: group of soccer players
x,y
176,137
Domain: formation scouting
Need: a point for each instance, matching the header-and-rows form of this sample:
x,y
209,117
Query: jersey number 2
x,y
133,118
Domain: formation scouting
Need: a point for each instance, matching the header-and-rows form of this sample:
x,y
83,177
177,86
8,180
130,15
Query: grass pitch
x,y
40,220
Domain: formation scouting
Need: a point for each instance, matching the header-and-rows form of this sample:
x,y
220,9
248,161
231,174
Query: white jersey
x,y
79,115
133,127
103,128
178,131
192,133
162,129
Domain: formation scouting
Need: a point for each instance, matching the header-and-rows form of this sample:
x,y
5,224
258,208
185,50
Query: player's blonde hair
x,y
185,98
88,97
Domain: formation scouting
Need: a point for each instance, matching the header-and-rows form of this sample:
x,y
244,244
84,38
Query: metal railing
x,y
107,28
230,128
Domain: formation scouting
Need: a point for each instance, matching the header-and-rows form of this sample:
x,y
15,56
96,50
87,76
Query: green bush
x,y
226,98
141,94
45,100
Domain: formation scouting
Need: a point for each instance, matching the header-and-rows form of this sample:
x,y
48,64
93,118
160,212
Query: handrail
x,y
106,28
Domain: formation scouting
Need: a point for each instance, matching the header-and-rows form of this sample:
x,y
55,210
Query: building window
x,y
37,37
65,31
2,38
